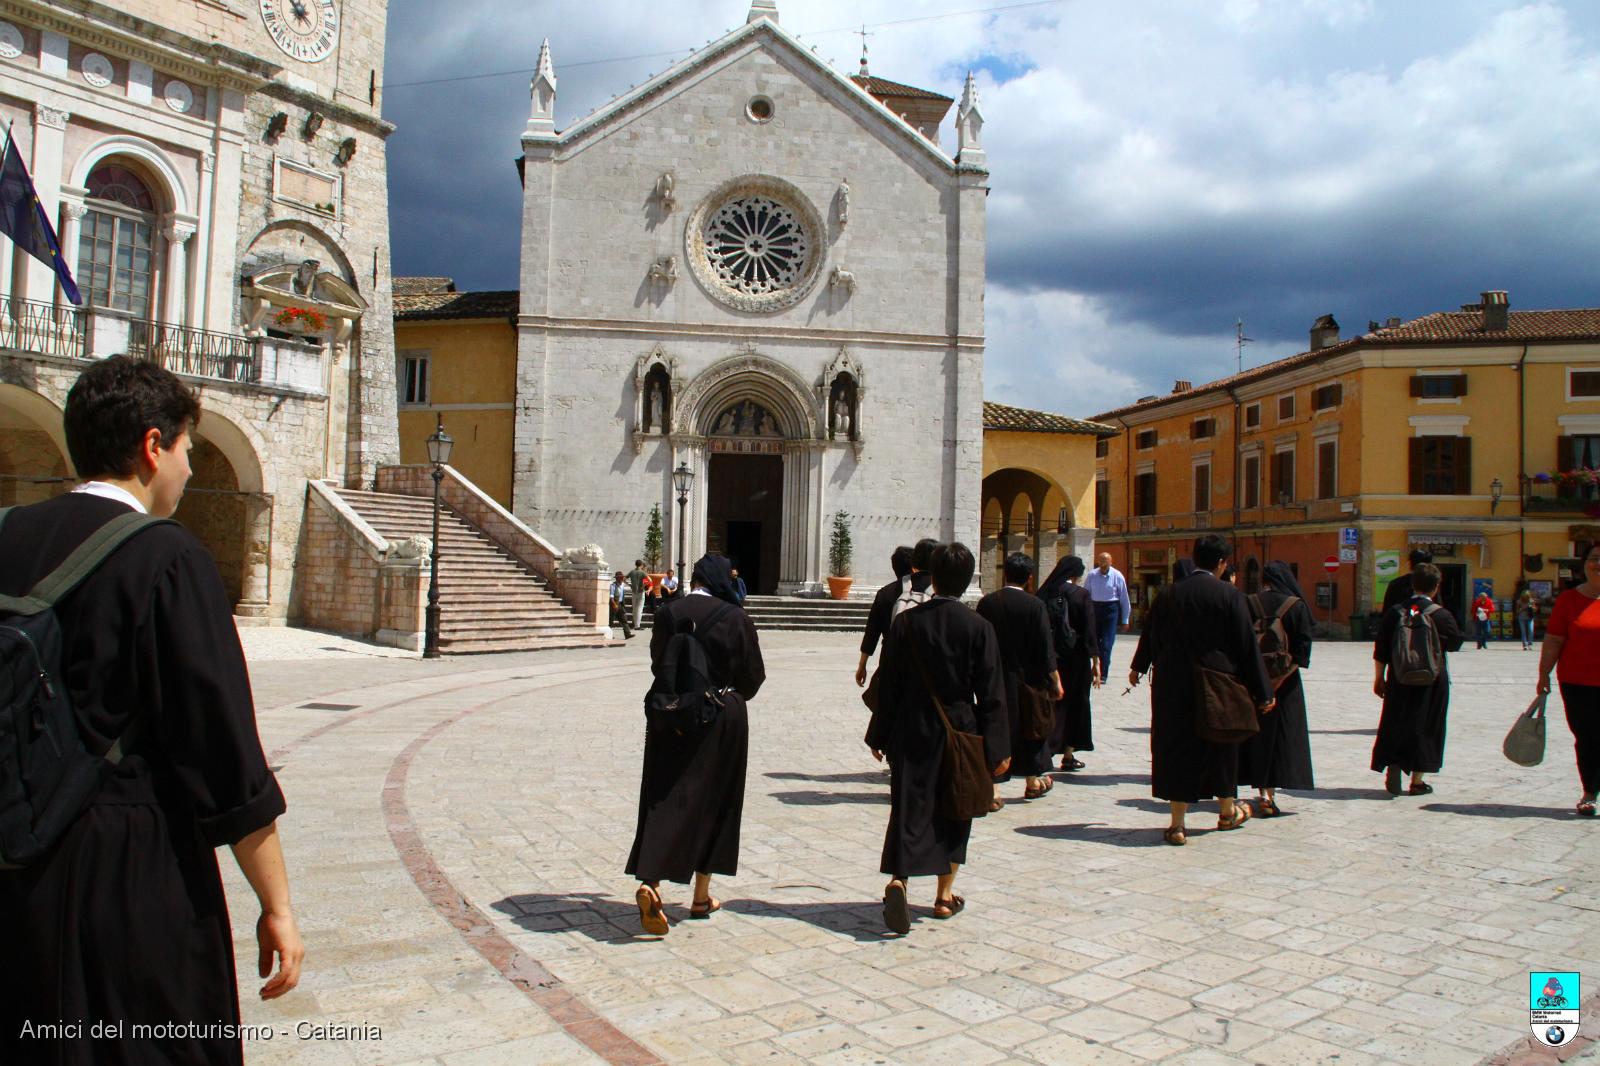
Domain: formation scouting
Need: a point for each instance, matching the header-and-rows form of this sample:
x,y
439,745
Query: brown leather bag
x,y
966,789
1038,711
1225,712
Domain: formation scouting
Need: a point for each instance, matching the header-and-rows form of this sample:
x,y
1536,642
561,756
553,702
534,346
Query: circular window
x,y
759,109
753,244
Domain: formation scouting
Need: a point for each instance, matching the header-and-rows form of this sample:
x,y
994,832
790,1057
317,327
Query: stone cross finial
x,y
762,9
542,113
969,124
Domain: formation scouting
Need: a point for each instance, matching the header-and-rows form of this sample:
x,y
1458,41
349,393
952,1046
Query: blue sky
x,y
1158,170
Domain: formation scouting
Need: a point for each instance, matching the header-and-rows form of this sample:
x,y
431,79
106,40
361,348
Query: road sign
x,y
1349,537
1331,564
1347,555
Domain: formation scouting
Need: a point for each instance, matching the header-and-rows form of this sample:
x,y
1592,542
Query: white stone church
x,y
771,273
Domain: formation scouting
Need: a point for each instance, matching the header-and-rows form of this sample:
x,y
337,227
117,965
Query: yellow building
x,y
456,360
1456,432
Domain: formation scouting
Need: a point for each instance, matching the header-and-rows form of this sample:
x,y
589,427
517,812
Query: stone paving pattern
x,y
1357,930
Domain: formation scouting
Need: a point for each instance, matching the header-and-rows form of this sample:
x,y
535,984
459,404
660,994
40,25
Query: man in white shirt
x,y
1109,591
619,604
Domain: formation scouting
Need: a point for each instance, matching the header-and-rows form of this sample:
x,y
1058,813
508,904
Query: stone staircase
x,y
488,601
806,613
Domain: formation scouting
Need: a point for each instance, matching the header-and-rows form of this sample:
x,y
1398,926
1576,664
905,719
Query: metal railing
x,y
1571,494
32,326
198,352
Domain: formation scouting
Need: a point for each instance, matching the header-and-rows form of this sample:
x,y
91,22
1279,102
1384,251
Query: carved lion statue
x,y
588,557
413,547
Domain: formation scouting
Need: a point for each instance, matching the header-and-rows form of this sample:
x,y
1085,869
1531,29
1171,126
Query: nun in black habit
x,y
691,794
943,644
1200,621
1411,730
1027,656
1074,637
1280,755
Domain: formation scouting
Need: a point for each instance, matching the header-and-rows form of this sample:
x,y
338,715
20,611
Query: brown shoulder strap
x,y
1283,608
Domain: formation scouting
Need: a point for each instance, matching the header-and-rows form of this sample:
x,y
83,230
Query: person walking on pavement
x,y
882,611
1198,622
619,604
1028,660
1572,650
1109,591
1411,730
1077,648
1482,609
1527,614
1280,755
637,580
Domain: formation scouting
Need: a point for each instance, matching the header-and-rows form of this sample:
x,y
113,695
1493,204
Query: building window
x,y
1286,407
1583,384
1327,469
116,244
1327,396
1145,440
1581,451
1203,428
1283,475
1250,482
1441,466
1202,488
414,380
1102,447
1252,416
1438,386
1102,502
1144,494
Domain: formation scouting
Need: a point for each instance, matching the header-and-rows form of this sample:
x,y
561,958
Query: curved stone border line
x,y
1529,1052
580,1021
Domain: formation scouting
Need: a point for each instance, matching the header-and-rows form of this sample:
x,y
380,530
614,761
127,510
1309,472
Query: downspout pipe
x,y
1522,466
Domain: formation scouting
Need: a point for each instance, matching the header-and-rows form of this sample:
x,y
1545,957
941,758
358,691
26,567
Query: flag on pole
x,y
22,218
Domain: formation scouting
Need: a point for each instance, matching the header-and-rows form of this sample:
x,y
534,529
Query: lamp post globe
x,y
682,480
439,447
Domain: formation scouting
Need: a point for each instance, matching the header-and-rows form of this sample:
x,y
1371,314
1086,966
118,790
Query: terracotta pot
x,y
838,587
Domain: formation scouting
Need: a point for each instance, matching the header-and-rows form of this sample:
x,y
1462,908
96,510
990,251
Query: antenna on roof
x,y
863,33
1239,341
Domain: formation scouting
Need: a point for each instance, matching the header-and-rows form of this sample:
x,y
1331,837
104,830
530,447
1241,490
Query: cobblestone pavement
x,y
457,831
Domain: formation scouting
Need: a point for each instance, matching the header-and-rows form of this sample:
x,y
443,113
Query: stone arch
x,y
226,509
152,158
34,463
1011,496
748,376
235,443
274,236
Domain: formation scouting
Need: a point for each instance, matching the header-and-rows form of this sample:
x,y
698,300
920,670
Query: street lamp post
x,y
439,446
1496,490
682,478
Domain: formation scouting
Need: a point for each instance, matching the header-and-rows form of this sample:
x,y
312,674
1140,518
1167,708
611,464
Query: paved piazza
x,y
457,831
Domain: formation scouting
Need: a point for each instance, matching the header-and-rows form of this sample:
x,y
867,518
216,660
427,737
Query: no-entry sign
x,y
1331,564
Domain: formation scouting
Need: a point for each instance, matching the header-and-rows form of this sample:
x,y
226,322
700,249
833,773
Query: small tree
x,y
652,540
839,546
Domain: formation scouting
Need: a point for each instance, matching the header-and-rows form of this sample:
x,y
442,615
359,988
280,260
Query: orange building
x,y
1471,433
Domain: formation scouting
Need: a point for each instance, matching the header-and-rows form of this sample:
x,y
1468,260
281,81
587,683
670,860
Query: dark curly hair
x,y
114,404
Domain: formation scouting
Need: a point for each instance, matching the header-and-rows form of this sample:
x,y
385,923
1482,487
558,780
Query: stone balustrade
x,y
353,581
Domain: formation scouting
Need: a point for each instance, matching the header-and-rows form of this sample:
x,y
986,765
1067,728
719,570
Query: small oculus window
x,y
759,109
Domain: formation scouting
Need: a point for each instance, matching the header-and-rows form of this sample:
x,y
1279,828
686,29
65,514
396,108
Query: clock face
x,y
306,30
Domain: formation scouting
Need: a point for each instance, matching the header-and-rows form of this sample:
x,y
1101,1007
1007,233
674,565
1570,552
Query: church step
x,y
512,627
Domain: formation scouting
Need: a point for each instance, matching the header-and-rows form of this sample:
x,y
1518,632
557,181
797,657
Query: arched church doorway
x,y
744,500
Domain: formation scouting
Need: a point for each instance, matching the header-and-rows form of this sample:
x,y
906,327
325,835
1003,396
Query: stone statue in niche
x,y
665,185
746,419
843,201
657,401
842,408
305,277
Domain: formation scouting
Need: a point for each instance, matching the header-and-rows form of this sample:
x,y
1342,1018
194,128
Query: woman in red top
x,y
1482,609
1572,647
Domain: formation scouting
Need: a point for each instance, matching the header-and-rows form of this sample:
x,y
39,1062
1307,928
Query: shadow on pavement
x,y
860,921
1345,794
1080,778
865,777
1501,810
1096,834
1347,732
815,798
1155,805
595,916
1134,728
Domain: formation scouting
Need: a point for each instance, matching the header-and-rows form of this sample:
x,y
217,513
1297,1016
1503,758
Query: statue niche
x,y
842,408
657,401
746,419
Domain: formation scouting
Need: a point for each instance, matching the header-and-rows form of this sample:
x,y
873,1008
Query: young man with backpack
x,y
114,910
1413,680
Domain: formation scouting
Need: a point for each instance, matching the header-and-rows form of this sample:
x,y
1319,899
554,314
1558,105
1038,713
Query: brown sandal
x,y
1241,815
952,906
705,908
1175,836
651,916
896,915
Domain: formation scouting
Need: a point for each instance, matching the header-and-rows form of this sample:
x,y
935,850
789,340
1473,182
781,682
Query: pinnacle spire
x,y
762,9
969,124
542,91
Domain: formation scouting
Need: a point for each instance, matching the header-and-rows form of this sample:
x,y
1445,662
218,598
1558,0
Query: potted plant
x,y
300,320
839,552
652,546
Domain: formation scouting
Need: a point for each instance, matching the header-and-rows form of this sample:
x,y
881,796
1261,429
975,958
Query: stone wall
x,y
347,585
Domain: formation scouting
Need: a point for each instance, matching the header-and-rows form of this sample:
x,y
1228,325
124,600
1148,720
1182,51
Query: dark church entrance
x,y
744,515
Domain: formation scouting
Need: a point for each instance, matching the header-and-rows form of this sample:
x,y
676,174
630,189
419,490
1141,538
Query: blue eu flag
x,y
22,218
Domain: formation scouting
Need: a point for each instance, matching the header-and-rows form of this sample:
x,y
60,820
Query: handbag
x,y
869,695
1225,712
1038,715
966,789
1524,744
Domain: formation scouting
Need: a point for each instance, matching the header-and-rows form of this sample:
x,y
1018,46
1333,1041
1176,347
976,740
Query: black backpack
x,y
1416,656
47,776
683,697
1061,630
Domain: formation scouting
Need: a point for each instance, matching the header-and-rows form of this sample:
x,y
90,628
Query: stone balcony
x,y
29,327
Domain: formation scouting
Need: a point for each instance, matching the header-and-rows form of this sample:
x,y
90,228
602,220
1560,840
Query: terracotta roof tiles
x,y
884,87
410,308
1004,417
413,286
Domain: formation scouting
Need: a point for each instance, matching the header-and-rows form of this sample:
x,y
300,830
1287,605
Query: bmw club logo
x,y
1554,1002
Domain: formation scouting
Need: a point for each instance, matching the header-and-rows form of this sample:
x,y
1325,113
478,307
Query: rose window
x,y
753,244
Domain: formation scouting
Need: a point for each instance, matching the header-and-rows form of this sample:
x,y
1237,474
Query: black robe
x,y
1199,621
879,617
962,659
1280,755
1027,656
1398,592
1074,722
691,792
1412,727
125,919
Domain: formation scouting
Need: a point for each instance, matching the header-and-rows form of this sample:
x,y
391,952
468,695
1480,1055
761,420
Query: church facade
x,y
753,269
